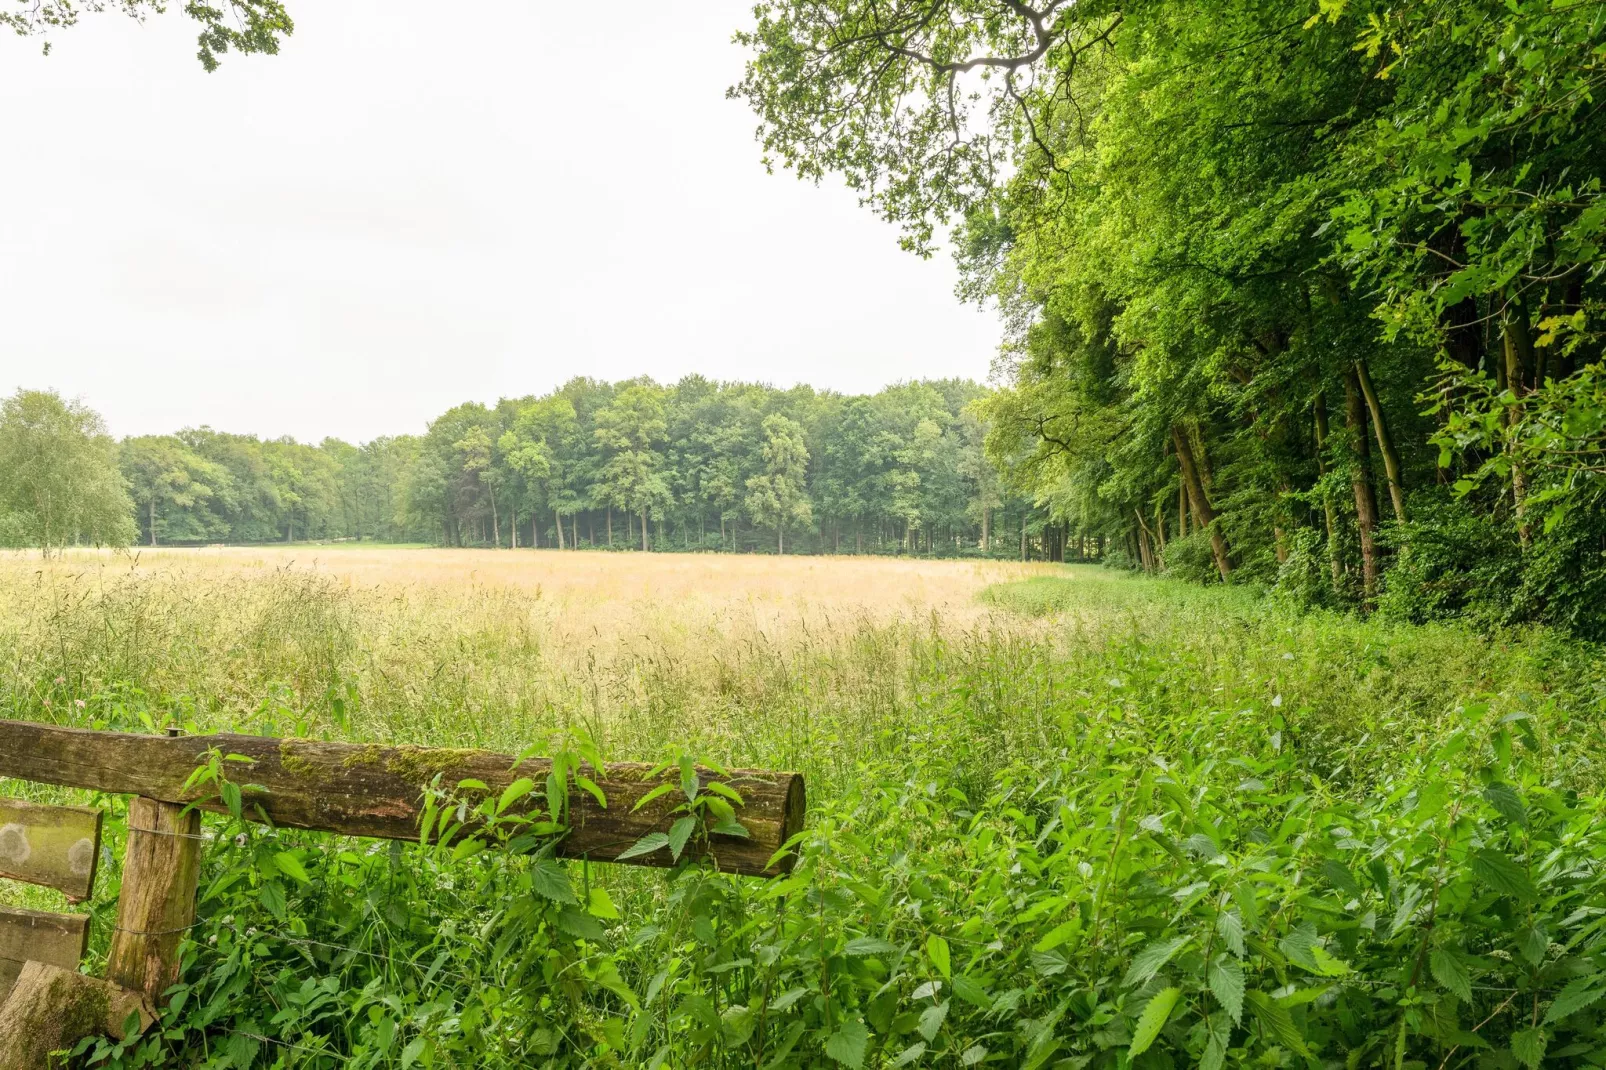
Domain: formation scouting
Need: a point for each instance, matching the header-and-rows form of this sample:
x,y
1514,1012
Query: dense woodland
x,y
1303,292
633,465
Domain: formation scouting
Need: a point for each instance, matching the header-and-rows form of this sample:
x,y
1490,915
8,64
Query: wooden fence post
x,y
156,906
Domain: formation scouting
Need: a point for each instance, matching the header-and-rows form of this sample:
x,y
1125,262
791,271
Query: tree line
x,y
697,465
1303,294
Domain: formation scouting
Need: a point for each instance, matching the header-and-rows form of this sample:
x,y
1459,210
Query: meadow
x,y
1059,816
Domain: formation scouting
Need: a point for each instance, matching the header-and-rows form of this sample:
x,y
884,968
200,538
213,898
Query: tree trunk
x,y
1023,536
496,523
1334,561
610,526
153,520
986,526
52,1009
1182,508
646,547
1361,481
1385,442
780,538
513,530
558,517
1204,516
1519,357
574,529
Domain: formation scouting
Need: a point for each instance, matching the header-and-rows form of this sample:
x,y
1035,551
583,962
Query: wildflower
x,y
61,679
239,840
78,702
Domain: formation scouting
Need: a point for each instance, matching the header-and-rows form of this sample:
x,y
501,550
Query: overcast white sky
x,y
413,206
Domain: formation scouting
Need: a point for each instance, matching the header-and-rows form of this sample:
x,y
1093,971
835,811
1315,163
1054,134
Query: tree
x,y
243,26
170,485
779,496
629,430
59,481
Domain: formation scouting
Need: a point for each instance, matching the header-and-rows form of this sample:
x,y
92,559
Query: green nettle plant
x,y
1157,893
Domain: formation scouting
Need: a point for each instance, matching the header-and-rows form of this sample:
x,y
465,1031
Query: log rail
x,y
377,791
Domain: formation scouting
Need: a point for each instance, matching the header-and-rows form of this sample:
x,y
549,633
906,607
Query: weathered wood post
x,y
156,906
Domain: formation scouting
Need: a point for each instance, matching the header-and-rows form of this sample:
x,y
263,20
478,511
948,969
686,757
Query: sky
x,y
406,209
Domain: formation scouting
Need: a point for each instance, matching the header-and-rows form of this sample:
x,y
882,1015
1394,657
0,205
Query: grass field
x,y
1023,780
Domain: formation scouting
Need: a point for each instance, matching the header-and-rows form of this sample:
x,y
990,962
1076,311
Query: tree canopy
x,y
1301,293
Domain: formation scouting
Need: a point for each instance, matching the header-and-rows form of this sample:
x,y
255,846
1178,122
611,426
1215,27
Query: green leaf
x,y
1276,1021
577,922
1449,971
1533,941
1231,928
656,793
679,833
1579,993
910,1054
591,787
516,790
1507,802
1059,934
868,945
601,904
1528,1046
1147,963
1153,1018
1215,1055
847,1044
937,952
548,878
931,1019
972,992
291,867
1499,872
1227,985
653,841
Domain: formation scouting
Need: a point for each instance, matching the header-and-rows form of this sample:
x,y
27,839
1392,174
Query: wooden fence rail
x,y
369,790
344,788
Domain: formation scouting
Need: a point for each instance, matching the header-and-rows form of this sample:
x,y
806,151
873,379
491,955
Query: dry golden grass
x,y
595,586
475,646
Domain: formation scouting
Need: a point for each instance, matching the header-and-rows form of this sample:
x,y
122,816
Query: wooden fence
x,y
343,788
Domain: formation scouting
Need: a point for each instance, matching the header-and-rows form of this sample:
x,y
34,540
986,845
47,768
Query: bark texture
x,y
370,790
156,905
51,1009
1204,516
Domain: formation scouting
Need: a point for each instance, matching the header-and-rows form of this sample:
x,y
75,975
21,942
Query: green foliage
x,y
59,480
244,26
1257,241
1242,835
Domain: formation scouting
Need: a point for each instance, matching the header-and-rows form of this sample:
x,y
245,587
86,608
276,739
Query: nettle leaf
x,y
548,878
1528,1046
1507,802
679,833
1276,1020
1231,928
653,841
1153,1019
1147,962
973,992
1339,876
1579,993
1499,872
1450,972
1533,941
1226,977
937,952
847,1044
868,945
931,1020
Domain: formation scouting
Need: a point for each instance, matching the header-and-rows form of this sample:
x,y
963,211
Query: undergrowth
x,y
1119,822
